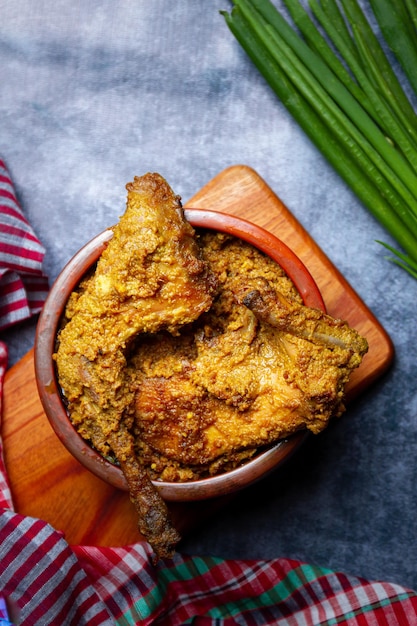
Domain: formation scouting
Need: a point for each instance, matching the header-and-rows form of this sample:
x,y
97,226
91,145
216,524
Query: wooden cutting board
x,y
48,483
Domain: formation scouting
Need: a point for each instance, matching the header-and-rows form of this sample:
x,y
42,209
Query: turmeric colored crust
x,y
182,354
150,277
257,367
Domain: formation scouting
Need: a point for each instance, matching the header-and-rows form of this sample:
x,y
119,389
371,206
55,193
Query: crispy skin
x,y
150,277
281,313
257,368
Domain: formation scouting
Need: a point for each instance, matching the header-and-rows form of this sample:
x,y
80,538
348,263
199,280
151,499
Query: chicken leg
x,y
150,277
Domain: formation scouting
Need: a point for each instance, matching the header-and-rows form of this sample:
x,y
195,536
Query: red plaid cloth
x,y
23,284
48,582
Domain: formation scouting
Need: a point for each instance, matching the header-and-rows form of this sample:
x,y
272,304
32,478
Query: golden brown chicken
x,y
256,368
181,355
150,277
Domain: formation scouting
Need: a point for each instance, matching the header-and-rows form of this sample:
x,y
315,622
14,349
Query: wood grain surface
x,y
48,483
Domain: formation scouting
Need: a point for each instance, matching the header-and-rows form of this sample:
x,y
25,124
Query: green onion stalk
x,y
331,72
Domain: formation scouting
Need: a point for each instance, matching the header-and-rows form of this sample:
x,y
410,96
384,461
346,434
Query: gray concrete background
x,y
94,92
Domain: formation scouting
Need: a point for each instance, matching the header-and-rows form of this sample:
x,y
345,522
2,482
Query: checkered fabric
x,y
54,583
23,284
48,582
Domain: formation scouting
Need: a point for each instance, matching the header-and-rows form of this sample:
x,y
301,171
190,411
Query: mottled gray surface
x,y
94,92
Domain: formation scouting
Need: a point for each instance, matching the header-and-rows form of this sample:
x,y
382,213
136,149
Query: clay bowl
x,y
51,397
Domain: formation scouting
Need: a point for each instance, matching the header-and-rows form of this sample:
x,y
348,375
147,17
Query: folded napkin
x,y
48,582
23,285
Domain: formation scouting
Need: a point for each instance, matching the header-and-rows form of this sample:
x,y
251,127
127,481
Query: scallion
x,y
351,107
395,22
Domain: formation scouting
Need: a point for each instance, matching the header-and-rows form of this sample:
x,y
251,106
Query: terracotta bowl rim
x,y
50,394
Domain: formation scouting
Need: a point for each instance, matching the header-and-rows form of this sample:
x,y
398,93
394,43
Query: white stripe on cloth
x,y
23,284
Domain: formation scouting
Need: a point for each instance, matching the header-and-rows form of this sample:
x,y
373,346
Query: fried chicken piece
x,y
275,309
263,366
319,351
150,277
